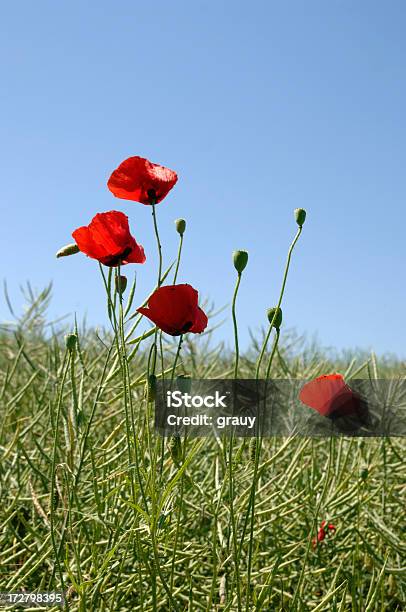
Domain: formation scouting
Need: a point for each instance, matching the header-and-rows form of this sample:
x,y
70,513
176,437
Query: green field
x,y
96,505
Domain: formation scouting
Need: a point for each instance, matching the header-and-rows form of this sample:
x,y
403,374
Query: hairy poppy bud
x,y
278,318
121,284
68,249
240,259
300,216
180,225
70,342
151,388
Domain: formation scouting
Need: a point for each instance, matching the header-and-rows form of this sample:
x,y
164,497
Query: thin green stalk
x,y
127,388
275,346
180,498
158,241
67,358
237,350
251,504
178,259
119,333
285,276
176,358
230,456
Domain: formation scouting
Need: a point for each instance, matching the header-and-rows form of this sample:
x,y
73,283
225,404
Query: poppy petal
x,y
200,322
323,392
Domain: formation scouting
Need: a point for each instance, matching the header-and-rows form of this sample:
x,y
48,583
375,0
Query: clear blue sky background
x,y
260,106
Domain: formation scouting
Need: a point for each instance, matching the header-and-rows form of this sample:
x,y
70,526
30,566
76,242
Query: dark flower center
x,y
187,326
152,195
114,260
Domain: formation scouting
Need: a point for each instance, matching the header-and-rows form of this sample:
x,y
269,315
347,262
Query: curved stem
x,y
251,504
237,350
158,243
275,346
285,276
230,455
176,358
178,259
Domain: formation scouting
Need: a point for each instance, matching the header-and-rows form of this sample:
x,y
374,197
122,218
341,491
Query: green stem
x,y
230,456
176,358
285,276
251,505
158,243
67,357
275,345
178,259
237,350
128,403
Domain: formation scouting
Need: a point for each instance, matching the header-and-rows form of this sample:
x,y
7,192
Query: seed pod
x,y
68,249
240,259
150,388
175,449
253,449
222,590
180,225
300,216
53,501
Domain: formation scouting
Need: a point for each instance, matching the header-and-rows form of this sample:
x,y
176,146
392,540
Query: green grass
x,y
141,526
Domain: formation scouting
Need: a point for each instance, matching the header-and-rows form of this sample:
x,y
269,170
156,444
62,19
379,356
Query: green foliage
x,y
154,533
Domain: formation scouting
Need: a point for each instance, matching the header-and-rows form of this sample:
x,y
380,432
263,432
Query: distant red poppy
x,y
322,532
107,238
330,396
175,310
140,180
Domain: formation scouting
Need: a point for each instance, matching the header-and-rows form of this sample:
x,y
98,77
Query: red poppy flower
x,y
175,310
107,238
140,180
330,396
321,533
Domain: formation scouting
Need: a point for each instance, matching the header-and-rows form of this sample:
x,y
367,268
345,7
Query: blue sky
x,y
260,106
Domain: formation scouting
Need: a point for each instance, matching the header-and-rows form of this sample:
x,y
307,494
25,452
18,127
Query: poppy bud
x,y
300,216
180,225
121,284
150,388
68,249
278,318
240,259
364,473
70,342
